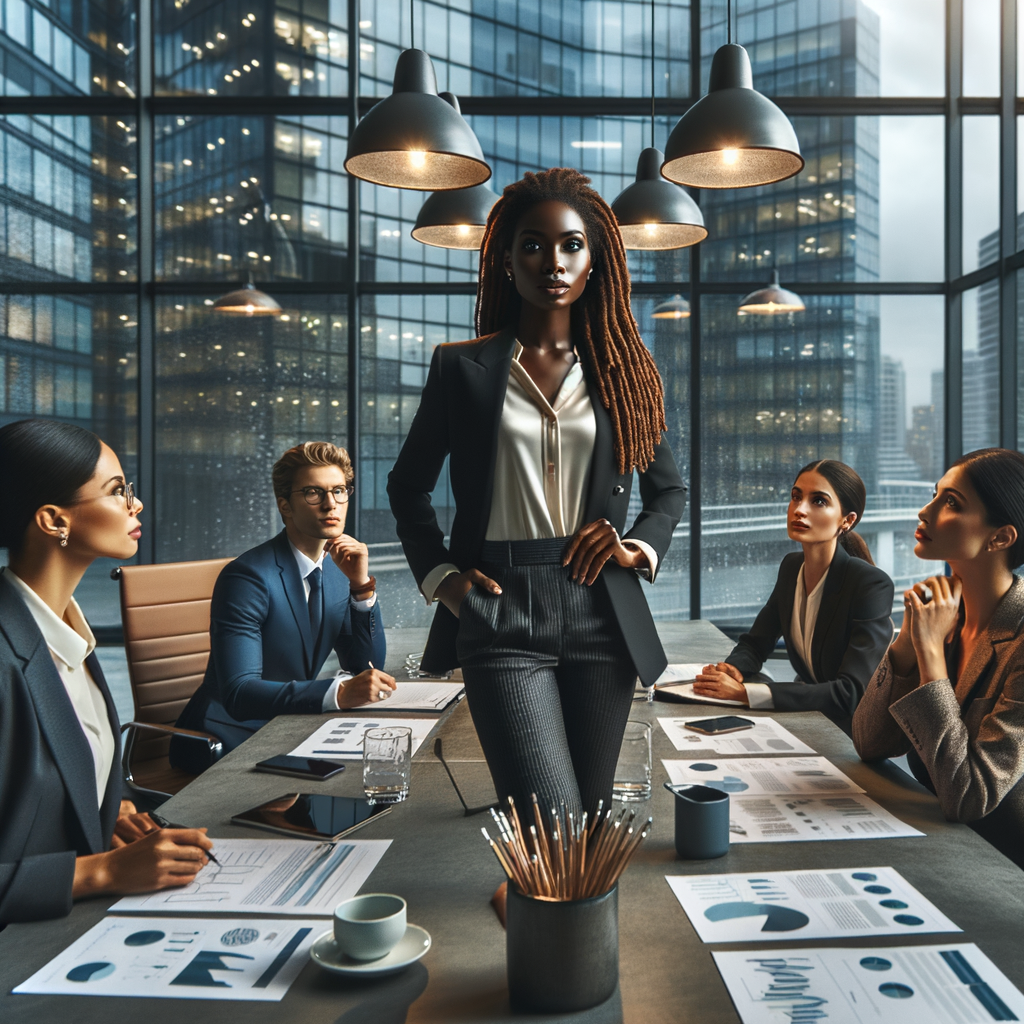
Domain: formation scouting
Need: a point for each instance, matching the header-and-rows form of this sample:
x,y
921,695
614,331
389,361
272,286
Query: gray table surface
x,y
441,865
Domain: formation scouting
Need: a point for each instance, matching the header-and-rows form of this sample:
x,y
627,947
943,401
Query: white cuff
x,y
433,580
652,557
363,606
330,702
759,696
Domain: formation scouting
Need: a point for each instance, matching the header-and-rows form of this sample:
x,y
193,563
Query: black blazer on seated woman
x,y
852,634
459,417
48,812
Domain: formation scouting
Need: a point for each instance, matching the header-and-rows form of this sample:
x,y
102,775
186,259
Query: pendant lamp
x,y
676,308
246,301
654,213
733,137
413,139
455,219
771,300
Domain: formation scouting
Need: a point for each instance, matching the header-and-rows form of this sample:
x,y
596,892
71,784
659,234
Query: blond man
x,y
279,609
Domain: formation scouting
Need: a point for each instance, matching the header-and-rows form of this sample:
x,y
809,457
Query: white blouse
x,y
70,643
542,465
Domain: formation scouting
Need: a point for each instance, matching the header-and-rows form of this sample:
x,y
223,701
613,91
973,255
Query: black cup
x,y
702,822
562,956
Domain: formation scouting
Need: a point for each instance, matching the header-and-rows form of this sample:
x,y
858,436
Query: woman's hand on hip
x,y
723,681
592,546
452,590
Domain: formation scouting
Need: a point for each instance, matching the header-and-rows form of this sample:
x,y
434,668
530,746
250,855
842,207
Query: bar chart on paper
x,y
275,876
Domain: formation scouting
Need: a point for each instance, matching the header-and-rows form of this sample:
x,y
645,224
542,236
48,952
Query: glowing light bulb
x,y
651,229
730,156
418,159
463,229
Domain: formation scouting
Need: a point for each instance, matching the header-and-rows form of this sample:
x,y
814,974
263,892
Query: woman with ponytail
x,y
831,603
950,691
544,418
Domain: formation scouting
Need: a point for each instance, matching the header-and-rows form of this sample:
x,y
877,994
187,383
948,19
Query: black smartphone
x,y
312,815
300,767
727,723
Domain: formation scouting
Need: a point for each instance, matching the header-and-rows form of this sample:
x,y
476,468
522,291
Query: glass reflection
x,y
980,192
980,394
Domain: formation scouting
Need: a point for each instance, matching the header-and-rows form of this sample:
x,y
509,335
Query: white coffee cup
x,y
368,927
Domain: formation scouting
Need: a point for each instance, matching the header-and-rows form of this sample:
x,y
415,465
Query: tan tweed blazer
x,y
969,737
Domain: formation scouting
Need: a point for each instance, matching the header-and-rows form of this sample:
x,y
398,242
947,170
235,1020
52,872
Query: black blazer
x,y
48,812
852,634
459,415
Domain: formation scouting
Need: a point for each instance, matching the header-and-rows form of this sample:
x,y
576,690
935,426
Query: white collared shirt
x,y
542,465
70,643
306,566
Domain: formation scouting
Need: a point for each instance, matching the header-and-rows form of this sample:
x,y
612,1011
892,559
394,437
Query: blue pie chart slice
x,y
777,919
91,972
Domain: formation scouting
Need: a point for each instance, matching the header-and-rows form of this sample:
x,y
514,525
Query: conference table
x,y
440,864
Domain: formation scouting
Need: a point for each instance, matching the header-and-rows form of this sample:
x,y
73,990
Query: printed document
x,y
180,958
341,739
678,679
780,906
270,876
766,737
416,697
793,819
758,776
951,983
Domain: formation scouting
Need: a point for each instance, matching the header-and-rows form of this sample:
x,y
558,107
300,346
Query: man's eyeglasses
x,y
316,495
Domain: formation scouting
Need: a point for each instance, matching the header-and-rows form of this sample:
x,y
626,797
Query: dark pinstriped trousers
x,y
549,684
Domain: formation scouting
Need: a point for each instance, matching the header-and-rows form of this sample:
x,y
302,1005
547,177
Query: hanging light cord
x,y
652,74
728,21
412,24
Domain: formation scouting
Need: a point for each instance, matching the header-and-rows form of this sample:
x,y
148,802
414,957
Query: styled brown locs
x,y
603,327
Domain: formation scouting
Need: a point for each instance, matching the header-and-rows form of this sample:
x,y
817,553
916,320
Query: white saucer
x,y
411,946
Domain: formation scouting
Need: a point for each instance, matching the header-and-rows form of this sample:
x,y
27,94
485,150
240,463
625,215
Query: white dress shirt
x,y
306,566
802,624
70,643
542,465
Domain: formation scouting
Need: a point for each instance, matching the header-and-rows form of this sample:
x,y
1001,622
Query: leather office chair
x,y
165,610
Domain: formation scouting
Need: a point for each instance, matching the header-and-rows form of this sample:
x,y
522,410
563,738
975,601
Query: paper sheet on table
x,y
951,983
766,737
780,906
181,958
417,697
341,739
679,673
795,819
758,776
685,691
270,876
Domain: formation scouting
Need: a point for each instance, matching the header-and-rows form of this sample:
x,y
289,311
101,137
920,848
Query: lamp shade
x,y
455,219
771,300
676,308
733,137
247,301
413,138
654,213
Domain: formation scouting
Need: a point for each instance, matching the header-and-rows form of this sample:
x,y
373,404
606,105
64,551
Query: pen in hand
x,y
164,823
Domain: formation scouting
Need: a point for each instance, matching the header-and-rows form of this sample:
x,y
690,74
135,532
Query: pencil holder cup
x,y
562,956
702,822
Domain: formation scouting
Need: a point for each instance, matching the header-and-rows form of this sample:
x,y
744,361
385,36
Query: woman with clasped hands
x,y
65,832
950,691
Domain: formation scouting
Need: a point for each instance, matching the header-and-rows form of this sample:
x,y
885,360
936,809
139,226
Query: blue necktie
x,y
316,603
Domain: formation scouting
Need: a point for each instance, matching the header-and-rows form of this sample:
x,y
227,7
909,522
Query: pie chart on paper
x,y
777,919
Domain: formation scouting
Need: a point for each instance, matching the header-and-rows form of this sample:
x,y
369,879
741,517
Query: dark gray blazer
x,y
48,812
459,416
964,741
852,634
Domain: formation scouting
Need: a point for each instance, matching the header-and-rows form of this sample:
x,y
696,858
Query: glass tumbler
x,y
387,764
633,771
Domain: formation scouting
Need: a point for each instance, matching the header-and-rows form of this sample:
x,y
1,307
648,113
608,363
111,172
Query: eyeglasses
x,y
316,495
127,492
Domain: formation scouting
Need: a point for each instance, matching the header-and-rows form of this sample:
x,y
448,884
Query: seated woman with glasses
x,y
279,609
65,832
950,692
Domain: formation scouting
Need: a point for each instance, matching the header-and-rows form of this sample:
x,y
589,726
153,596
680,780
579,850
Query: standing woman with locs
x,y
544,418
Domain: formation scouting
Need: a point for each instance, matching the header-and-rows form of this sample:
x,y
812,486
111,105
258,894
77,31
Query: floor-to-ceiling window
x,y
157,153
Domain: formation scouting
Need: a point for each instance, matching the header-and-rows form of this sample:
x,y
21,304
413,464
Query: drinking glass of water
x,y
633,770
387,764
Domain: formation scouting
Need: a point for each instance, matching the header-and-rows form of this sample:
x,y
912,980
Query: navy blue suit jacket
x,y
263,661
48,810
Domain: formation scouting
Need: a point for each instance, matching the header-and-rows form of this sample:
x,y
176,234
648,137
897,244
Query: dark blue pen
x,y
164,823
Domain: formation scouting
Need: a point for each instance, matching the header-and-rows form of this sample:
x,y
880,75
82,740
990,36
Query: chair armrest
x,y
170,730
213,744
